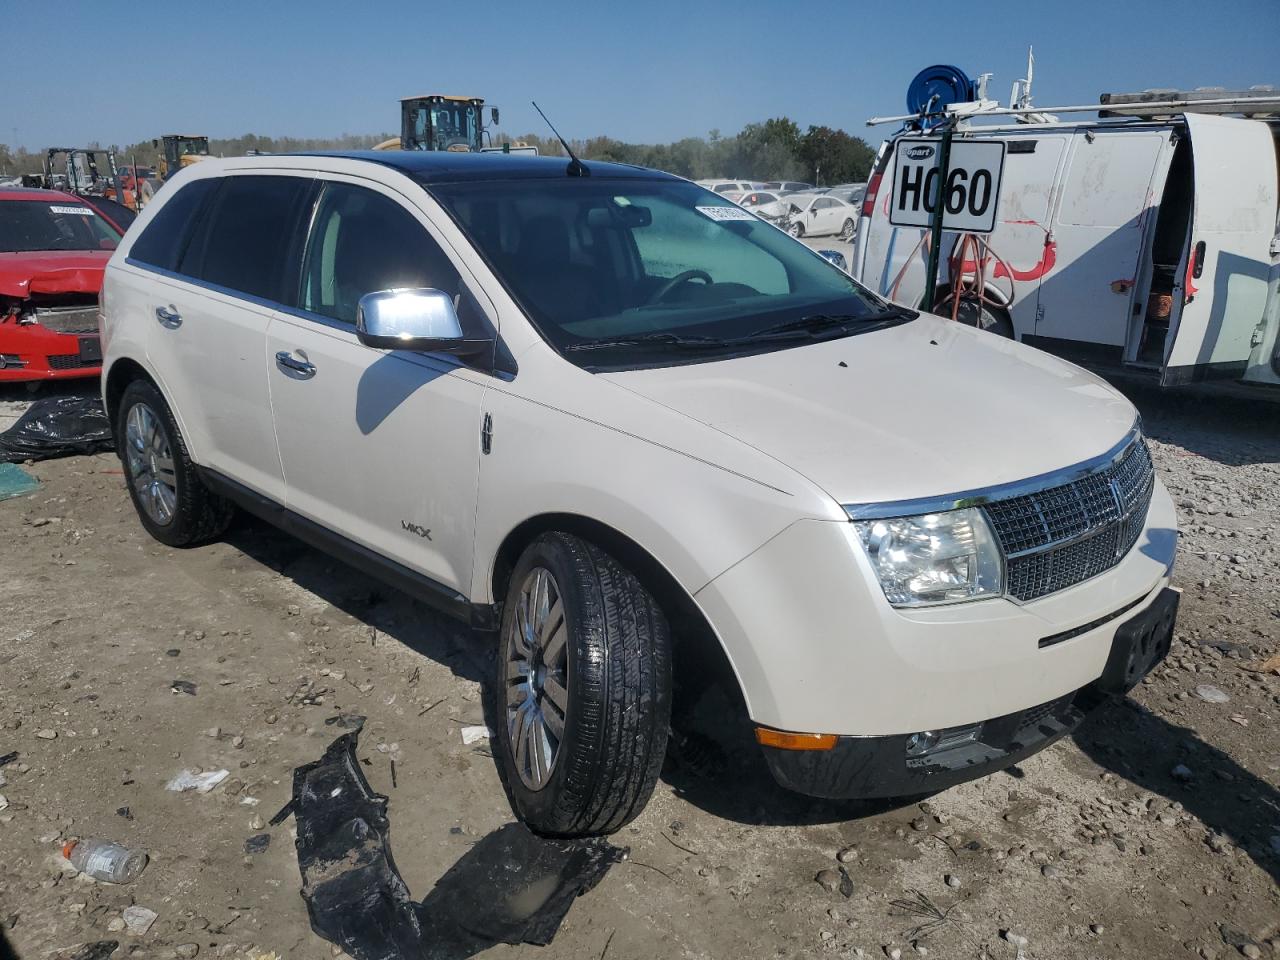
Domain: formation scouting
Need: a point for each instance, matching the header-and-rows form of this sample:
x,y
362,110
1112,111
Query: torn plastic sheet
x,y
511,887
14,481
58,427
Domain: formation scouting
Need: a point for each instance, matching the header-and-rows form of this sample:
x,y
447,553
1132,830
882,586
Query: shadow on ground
x,y
396,615
1134,743
1227,430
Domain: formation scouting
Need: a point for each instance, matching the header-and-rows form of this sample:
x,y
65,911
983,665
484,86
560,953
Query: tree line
x,y
773,150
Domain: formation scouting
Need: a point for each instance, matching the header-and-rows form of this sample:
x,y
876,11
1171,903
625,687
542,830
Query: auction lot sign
x,y
970,193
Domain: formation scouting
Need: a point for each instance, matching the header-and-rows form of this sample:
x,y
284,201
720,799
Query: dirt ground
x,y
1154,832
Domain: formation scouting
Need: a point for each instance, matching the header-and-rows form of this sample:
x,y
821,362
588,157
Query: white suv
x,y
626,429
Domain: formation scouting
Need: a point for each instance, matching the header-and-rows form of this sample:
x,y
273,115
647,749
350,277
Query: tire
x,y
610,663
188,513
846,230
976,313
796,230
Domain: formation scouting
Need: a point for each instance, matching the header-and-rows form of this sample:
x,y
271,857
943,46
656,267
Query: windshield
x,y
454,124
613,272
53,225
192,146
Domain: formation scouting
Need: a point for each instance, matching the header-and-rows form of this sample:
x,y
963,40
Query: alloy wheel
x,y
150,464
537,677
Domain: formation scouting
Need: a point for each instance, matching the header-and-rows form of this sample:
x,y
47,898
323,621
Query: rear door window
x,y
363,242
165,238
245,240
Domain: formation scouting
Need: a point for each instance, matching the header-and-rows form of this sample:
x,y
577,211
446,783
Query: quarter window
x,y
362,242
245,239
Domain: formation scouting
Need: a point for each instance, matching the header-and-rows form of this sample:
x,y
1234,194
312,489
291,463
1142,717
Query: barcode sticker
x,y
725,213
78,211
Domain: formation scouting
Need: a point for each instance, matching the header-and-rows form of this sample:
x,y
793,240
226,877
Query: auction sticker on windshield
x,y
971,194
726,213
79,211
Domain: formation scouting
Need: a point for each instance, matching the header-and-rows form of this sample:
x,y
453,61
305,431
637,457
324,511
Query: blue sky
x,y
651,71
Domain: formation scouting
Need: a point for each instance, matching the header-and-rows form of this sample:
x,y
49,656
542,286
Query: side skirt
x,y
480,616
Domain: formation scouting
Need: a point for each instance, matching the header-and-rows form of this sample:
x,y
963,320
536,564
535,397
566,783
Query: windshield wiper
x,y
817,324
646,339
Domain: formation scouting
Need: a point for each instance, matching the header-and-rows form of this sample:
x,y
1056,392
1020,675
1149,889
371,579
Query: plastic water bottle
x,y
106,861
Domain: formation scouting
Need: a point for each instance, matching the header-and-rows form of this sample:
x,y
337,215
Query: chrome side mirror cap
x,y
419,319
836,257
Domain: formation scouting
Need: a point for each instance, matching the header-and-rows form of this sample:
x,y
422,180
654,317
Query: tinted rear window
x,y
244,240
165,237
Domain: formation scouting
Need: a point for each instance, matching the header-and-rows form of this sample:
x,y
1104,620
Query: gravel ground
x,y
1153,832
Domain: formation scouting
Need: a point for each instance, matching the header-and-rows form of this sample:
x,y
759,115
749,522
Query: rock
x,y
237,742
1050,872
257,823
115,924
186,950
76,907
893,953
47,734
213,733
1181,772
1251,951
849,854
1210,694
1016,939
829,880
138,920
952,881
1097,928
920,824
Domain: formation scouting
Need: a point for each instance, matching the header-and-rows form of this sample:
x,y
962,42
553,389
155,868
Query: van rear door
x,y
1220,294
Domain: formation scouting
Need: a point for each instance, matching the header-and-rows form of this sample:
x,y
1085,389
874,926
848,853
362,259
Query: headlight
x,y
934,558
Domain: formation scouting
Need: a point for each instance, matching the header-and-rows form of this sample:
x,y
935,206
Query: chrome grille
x,y
1055,538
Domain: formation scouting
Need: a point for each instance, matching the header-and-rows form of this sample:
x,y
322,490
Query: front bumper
x,y
884,767
32,352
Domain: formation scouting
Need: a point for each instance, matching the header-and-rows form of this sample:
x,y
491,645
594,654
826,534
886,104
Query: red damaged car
x,y
53,249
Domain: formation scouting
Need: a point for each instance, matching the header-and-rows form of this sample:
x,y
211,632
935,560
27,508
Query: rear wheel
x,y
584,682
978,313
172,502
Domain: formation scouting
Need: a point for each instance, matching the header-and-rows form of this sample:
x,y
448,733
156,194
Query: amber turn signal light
x,y
795,741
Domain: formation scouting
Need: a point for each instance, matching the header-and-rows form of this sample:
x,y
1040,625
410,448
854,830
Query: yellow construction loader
x,y
180,150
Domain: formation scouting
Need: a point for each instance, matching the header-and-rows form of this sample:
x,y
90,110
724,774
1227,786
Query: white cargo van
x,y
1145,243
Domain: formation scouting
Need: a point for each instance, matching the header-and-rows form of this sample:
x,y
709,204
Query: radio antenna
x,y
576,167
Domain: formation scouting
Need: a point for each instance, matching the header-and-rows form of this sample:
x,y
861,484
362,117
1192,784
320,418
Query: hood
x,y
927,408
52,271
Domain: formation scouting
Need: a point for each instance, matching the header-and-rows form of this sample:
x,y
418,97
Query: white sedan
x,y
817,215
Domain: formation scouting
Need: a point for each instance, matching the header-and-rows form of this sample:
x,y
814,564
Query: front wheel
x,y
584,681
172,502
796,230
846,231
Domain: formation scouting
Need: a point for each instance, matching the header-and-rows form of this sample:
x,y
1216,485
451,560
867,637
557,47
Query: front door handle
x,y
290,362
169,316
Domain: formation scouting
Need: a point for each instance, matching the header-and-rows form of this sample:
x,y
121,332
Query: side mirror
x,y
422,320
835,257
493,115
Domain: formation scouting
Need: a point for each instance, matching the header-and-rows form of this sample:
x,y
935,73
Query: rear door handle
x,y
290,362
169,316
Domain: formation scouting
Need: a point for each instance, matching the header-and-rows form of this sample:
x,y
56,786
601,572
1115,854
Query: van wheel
x,y
584,689
172,502
846,231
796,230
976,313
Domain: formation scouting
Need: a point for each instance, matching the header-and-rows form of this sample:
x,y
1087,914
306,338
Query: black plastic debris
x,y
57,427
183,686
258,843
511,887
8,758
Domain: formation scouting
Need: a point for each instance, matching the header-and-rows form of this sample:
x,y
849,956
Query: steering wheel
x,y
663,291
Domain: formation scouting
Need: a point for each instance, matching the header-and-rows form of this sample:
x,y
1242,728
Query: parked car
x,y
817,215
636,437
851,193
733,189
53,250
763,204
787,186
